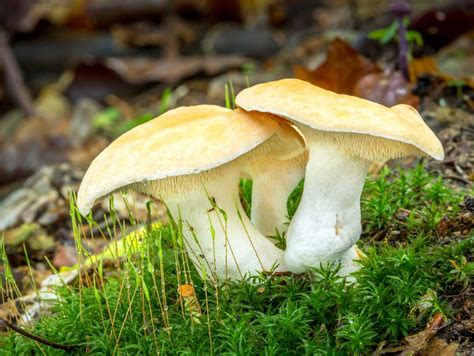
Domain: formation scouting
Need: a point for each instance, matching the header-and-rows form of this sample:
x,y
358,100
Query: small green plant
x,y
229,95
139,310
390,33
459,84
112,122
413,200
406,39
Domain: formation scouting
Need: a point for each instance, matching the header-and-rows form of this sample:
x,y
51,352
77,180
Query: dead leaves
x,y
428,66
341,71
171,70
187,295
461,224
345,71
386,88
423,343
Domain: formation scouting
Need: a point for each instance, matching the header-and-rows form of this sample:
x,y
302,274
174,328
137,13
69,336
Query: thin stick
x,y
14,77
34,337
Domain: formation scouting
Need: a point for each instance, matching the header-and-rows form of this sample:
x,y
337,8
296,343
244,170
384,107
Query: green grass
x,y
401,284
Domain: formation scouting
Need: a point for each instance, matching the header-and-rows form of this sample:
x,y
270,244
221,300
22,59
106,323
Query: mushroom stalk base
x,y
327,225
218,235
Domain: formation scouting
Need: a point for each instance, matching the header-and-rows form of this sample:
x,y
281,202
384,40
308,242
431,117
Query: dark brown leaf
x,y
341,71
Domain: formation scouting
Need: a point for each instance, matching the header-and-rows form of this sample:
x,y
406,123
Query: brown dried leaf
x,y
427,66
341,71
418,342
144,70
438,346
388,89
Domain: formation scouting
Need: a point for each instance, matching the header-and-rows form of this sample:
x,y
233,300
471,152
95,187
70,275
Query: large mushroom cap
x,y
320,109
183,141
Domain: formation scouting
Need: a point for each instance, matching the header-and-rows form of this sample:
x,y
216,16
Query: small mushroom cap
x,y
323,110
183,141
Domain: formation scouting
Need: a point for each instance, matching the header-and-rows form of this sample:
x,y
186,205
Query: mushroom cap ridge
x,y
183,141
320,109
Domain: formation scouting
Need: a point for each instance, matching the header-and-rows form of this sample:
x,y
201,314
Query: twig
x,y
453,177
14,77
4,322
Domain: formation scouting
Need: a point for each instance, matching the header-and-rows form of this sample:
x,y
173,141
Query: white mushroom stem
x,y
237,247
273,183
326,224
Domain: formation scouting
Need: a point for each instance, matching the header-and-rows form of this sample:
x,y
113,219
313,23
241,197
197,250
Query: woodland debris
x,y
142,70
66,255
14,76
39,194
341,71
388,88
232,40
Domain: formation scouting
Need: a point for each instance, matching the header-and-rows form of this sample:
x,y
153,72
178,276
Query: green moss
x,y
399,287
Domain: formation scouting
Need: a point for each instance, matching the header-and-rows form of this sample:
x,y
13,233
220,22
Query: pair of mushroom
x,y
192,158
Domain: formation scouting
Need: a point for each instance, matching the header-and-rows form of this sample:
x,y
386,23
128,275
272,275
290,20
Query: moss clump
x,y
401,285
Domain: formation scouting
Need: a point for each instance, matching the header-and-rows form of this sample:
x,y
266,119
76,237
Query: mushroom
x,y
343,134
274,178
192,159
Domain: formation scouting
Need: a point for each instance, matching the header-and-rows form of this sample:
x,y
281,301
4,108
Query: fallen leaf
x,y
438,346
341,71
186,290
420,66
145,69
188,295
416,343
419,341
388,89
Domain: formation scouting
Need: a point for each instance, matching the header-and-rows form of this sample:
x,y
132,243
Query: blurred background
x,y
75,74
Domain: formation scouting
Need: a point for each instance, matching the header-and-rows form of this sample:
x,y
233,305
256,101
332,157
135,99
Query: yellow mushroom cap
x,y
402,128
183,141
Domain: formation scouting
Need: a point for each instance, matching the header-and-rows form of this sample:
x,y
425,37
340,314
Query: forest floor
x,y
414,292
